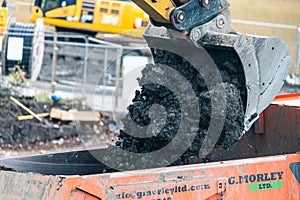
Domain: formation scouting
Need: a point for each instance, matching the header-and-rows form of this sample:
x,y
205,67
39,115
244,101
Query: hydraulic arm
x,y
182,14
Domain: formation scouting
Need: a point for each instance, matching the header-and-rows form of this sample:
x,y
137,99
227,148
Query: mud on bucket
x,y
256,66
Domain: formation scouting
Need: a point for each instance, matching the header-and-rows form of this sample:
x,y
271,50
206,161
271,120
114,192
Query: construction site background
x,y
278,11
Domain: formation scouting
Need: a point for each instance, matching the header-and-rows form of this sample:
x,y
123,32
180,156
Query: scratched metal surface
x,y
67,163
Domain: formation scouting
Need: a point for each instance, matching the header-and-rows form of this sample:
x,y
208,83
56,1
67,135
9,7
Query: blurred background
x,y
273,11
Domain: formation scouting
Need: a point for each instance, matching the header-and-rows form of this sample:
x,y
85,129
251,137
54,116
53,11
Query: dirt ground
x,y
35,137
31,137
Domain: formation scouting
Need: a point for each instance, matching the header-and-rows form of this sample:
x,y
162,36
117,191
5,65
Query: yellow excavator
x,y
207,86
91,16
211,81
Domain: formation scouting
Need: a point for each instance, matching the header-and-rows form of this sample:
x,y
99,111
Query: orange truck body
x,y
275,177
257,177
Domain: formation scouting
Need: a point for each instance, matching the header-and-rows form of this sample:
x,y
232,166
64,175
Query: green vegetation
x,y
14,76
43,97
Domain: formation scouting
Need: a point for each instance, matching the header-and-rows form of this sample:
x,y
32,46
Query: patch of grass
x,y
14,76
43,97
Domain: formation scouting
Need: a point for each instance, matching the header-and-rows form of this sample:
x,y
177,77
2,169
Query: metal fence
x,y
84,66
15,8
73,65
78,66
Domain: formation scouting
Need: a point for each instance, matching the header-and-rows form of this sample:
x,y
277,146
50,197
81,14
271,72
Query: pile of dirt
x,y
50,133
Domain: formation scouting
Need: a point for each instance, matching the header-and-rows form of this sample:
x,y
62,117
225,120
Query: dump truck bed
x,y
275,177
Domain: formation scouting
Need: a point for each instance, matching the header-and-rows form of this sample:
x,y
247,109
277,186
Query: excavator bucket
x,y
212,83
256,65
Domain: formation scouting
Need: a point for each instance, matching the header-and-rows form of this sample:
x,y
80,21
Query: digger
x,y
207,87
206,76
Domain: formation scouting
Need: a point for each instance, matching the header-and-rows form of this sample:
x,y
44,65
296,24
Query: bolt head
x,y
205,3
196,34
180,16
221,22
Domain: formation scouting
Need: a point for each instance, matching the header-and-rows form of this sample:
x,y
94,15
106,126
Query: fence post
x,y
86,54
10,7
54,60
117,83
297,56
105,67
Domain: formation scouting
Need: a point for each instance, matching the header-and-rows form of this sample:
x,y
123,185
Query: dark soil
x,y
50,133
151,94
2,168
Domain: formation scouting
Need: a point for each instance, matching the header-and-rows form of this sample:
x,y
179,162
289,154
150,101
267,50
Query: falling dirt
x,y
152,94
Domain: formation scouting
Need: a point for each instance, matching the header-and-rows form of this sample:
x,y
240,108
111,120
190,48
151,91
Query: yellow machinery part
x,y
3,20
160,10
116,17
62,12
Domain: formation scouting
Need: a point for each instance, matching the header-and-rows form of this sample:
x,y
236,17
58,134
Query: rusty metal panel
x,y
27,186
282,131
257,178
277,132
275,177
